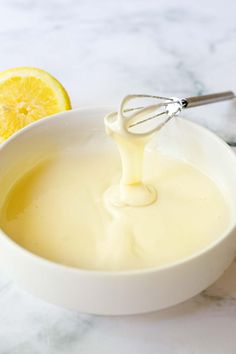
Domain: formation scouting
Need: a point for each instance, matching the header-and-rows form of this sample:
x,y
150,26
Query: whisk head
x,y
143,114
150,115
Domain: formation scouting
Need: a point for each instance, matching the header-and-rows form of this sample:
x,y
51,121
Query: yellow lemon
x,y
26,95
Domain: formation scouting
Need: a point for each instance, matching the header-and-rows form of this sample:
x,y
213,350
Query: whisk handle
x,y
206,99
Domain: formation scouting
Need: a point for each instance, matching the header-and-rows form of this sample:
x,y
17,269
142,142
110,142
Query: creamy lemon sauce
x,y
131,191
64,209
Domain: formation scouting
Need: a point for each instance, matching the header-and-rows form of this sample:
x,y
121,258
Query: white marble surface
x,y
102,50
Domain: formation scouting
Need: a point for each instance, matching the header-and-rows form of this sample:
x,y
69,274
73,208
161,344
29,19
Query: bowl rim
x,y
107,273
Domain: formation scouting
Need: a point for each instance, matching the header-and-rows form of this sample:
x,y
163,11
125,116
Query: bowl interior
x,y
179,138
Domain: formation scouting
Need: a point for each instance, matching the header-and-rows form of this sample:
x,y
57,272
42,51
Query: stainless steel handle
x,y
206,99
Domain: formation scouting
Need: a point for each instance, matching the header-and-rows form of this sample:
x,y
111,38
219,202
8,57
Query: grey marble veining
x,y
101,50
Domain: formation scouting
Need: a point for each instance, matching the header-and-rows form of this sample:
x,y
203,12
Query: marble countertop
x,y
101,50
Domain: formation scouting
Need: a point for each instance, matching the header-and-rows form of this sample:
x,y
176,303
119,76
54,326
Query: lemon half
x,y
26,95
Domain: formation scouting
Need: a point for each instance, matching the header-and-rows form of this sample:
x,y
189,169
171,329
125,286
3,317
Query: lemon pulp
x,y
26,95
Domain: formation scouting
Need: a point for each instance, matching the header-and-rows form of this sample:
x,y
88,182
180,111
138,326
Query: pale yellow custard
x,y
60,211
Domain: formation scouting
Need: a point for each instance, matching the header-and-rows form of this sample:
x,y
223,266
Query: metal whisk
x,y
164,109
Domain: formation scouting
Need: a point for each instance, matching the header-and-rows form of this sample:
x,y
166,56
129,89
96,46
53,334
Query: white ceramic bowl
x,y
118,292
